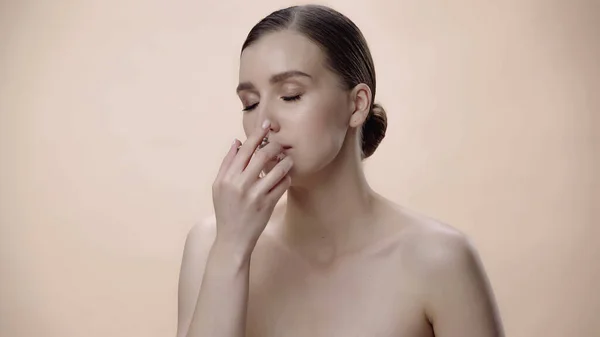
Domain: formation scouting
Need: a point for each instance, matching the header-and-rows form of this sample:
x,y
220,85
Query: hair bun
x,y
373,130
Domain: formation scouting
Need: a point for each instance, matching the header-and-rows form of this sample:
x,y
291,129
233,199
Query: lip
x,y
283,153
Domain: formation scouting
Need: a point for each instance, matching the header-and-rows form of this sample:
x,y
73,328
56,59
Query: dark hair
x,y
346,50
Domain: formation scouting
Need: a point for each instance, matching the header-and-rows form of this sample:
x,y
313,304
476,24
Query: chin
x,y
303,177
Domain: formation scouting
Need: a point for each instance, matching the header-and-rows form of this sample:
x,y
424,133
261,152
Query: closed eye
x,y
285,98
250,107
291,98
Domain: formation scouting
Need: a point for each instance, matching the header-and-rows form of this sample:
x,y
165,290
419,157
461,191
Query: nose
x,y
267,112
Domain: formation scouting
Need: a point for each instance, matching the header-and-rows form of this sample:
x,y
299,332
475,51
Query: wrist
x,y
228,252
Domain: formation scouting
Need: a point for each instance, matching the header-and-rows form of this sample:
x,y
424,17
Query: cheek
x,y
322,135
248,123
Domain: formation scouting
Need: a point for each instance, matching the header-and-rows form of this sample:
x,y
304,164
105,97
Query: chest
x,y
358,298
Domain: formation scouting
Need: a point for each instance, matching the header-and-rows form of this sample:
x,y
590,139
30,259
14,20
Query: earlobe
x,y
361,104
358,118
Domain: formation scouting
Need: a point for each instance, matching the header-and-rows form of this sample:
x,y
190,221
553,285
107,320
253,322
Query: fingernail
x,y
266,124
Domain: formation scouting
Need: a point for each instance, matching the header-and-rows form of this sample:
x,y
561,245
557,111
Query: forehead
x,y
278,52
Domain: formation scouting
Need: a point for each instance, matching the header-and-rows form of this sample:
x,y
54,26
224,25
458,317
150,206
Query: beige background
x,y
115,115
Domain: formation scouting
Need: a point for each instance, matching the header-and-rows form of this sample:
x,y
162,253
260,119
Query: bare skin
x,y
424,279
335,258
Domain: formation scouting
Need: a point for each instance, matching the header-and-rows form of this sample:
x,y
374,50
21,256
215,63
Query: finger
x,y
270,182
278,190
260,160
247,149
228,159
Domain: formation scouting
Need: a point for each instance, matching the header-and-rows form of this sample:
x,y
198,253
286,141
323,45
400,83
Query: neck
x,y
329,214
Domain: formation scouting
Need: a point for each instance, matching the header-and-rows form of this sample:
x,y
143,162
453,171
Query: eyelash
x,y
291,98
285,98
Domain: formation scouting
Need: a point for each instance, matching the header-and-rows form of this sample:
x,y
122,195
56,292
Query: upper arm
x,y
195,253
460,301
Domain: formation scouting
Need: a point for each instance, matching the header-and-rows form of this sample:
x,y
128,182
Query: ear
x,y
360,103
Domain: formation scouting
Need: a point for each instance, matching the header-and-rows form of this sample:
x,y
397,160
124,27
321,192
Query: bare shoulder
x,y
198,243
202,232
438,247
456,294
427,242
195,254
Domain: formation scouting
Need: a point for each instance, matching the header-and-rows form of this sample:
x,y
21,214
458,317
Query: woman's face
x,y
283,78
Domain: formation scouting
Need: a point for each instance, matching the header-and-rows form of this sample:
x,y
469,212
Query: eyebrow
x,y
274,79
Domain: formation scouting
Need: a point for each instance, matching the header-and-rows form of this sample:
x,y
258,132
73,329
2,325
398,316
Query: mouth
x,y
283,153
265,141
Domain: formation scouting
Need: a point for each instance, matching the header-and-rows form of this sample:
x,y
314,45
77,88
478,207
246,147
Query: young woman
x,y
336,258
